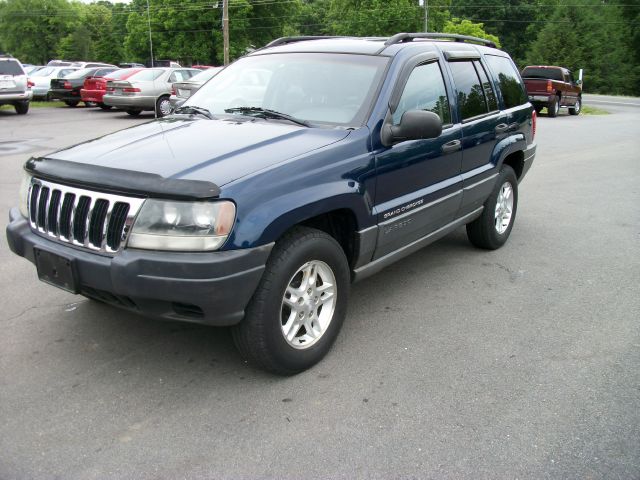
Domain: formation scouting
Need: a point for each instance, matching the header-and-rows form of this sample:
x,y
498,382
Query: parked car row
x,y
133,89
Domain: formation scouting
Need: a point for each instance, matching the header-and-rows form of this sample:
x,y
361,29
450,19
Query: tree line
x,y
600,36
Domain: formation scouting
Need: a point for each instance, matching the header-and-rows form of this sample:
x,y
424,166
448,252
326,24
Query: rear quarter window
x,y
508,80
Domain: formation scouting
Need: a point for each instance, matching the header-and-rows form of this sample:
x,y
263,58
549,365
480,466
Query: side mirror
x,y
579,82
414,125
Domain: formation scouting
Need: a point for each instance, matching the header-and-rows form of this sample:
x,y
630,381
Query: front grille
x,y
83,218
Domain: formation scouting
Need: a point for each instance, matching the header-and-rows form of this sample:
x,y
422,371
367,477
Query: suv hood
x,y
217,151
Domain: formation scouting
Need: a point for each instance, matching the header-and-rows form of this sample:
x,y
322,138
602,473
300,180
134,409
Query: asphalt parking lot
x,y
453,363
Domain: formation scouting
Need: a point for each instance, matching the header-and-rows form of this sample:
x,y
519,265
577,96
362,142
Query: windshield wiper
x,y
194,110
267,113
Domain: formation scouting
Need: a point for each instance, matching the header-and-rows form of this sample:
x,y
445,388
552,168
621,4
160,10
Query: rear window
x,y
205,75
119,74
545,73
43,72
146,75
83,72
10,67
505,73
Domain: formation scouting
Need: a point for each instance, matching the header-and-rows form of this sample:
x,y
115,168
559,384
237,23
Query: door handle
x,y
452,146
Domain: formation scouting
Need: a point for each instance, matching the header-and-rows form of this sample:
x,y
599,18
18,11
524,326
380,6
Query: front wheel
x,y
299,306
575,110
492,229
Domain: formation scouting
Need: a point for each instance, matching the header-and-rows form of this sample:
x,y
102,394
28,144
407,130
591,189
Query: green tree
x,y
593,38
374,17
466,27
32,29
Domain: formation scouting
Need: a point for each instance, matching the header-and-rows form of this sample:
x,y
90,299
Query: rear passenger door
x,y
482,123
418,181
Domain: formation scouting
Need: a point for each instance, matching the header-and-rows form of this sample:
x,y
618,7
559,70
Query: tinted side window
x,y
492,101
471,100
424,90
507,77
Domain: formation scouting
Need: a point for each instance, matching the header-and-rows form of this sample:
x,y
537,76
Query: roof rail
x,y
285,40
408,37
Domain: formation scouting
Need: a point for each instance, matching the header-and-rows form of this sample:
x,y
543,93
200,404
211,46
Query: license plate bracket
x,y
56,270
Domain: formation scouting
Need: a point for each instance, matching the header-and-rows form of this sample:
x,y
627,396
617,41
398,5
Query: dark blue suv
x,y
302,167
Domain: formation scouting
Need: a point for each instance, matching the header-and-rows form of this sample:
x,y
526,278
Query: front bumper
x,y
130,102
210,287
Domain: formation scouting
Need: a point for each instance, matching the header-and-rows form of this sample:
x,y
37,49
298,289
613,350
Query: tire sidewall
x,y
316,248
159,103
506,175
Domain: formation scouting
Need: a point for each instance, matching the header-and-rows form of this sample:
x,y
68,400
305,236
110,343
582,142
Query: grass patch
x,y
588,110
40,104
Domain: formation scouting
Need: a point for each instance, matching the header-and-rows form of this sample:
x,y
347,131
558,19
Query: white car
x,y
41,79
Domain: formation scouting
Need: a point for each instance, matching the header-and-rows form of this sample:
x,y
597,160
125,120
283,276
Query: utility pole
x,y
426,16
150,40
225,30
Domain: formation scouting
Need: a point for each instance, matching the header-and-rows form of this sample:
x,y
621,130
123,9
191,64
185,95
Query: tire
x,y
21,107
491,230
134,113
90,104
163,106
279,304
104,106
72,103
575,110
537,109
554,107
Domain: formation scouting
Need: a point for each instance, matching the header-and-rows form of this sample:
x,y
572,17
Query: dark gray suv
x,y
14,88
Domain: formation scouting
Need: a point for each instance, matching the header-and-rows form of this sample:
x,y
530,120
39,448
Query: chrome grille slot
x,y
54,212
41,213
91,220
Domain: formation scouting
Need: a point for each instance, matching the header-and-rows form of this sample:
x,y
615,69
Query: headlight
x,y
182,226
24,195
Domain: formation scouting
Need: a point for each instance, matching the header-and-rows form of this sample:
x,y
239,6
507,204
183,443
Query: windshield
x,y
147,75
205,75
335,89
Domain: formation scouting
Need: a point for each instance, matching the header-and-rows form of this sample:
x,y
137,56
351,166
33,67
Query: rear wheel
x,y
21,107
299,306
134,113
72,103
492,229
575,110
104,106
163,106
554,107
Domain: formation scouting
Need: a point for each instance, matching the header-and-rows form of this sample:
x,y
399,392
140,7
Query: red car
x,y
95,87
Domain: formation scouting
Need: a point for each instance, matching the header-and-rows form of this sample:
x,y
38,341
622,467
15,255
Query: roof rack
x,y
285,40
408,37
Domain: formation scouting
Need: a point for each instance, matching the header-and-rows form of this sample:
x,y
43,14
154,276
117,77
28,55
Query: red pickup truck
x,y
553,88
